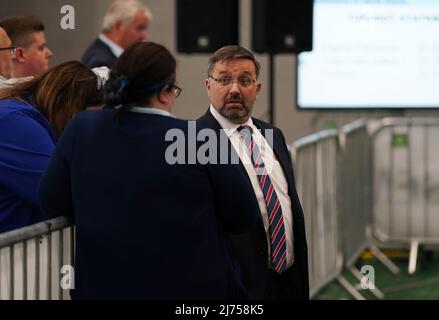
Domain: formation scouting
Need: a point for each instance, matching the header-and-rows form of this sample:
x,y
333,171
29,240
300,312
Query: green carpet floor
x,y
423,285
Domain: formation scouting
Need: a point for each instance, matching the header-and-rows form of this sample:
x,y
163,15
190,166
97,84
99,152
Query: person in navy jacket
x,y
147,227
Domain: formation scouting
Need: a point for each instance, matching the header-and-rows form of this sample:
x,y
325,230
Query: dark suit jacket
x,y
98,54
145,229
251,248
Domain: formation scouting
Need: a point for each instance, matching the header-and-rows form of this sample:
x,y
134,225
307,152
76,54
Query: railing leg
x,y
386,261
376,292
413,256
350,288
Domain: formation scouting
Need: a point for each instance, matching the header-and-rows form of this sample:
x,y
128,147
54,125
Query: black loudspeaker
x,y
282,26
206,25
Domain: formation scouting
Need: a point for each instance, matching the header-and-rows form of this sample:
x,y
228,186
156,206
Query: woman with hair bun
x,y
146,228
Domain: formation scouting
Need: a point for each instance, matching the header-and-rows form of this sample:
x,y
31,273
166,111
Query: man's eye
x,y
225,80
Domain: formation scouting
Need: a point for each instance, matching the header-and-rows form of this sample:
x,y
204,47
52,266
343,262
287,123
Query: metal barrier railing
x,y
333,177
31,259
356,200
355,186
316,167
406,182
370,179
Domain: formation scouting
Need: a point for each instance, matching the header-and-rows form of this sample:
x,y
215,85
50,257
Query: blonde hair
x,y
123,11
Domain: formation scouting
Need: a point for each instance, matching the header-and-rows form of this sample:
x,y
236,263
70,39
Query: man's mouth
x,y
234,102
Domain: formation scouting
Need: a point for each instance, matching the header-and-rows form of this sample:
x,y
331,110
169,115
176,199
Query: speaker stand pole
x,y
271,87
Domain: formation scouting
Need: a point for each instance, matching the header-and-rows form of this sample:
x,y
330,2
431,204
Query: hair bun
x,y
115,91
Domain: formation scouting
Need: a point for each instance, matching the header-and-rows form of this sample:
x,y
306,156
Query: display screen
x,y
371,54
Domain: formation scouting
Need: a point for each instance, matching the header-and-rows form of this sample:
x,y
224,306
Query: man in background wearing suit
x,y
273,254
125,23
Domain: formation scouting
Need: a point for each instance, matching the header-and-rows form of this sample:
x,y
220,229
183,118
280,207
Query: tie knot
x,y
246,132
245,129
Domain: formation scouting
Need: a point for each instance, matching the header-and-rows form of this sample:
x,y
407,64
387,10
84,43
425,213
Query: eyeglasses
x,y
11,49
225,81
176,90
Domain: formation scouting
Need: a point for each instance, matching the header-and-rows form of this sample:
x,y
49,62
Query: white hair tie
x,y
102,75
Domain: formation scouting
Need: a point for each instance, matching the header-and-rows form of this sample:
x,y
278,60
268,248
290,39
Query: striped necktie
x,y
276,221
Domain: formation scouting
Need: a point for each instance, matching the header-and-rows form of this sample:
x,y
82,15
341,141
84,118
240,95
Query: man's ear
x,y
207,85
117,26
19,56
258,87
163,96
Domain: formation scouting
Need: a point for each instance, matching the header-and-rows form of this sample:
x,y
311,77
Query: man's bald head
x,y
3,37
5,55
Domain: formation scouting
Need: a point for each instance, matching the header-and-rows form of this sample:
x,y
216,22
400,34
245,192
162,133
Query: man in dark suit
x,y
125,23
273,254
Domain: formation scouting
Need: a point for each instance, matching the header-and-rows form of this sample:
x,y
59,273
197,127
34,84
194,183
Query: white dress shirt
x,y
275,172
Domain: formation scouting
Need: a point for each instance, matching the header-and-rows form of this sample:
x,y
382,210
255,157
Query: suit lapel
x,y
279,151
209,121
278,148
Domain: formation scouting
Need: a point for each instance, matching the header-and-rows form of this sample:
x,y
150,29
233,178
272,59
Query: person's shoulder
x,y
264,125
181,123
195,125
11,104
92,116
98,54
207,115
96,45
208,121
99,59
24,124
85,122
13,107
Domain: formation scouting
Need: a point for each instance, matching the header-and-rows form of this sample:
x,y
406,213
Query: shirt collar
x,y
228,126
150,110
115,48
12,81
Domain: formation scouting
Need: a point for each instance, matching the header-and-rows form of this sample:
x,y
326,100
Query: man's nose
x,y
49,53
234,87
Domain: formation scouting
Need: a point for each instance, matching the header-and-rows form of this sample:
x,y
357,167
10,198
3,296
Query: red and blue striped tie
x,y
276,221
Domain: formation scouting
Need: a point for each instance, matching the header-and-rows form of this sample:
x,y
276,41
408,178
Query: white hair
x,y
123,11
